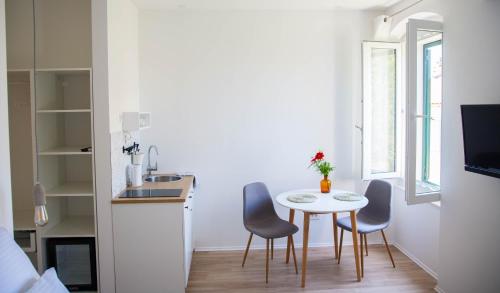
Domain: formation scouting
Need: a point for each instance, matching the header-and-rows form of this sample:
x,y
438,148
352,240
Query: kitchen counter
x,y
185,184
153,238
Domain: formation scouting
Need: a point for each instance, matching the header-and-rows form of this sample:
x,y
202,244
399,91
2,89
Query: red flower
x,y
318,157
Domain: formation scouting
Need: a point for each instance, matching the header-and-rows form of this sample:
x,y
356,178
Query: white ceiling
x,y
264,4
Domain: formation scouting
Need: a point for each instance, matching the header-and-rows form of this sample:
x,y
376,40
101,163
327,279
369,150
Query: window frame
x,y
426,120
412,28
366,101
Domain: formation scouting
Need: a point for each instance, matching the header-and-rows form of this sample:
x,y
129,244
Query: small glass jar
x,y
325,185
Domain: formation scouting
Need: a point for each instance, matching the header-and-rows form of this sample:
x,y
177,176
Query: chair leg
x,y
335,236
267,261
290,220
366,245
388,250
272,248
246,251
340,245
362,260
293,253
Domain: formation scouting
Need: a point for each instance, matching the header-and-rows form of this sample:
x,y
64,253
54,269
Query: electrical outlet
x,y
315,217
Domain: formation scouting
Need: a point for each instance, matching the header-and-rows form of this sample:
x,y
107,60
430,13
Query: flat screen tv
x,y
481,132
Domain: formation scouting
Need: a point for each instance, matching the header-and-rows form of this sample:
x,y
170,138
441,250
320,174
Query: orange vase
x,y
325,185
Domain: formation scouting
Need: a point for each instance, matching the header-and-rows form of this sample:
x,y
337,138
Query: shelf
x,y
72,189
74,226
20,70
67,69
63,70
64,111
64,150
63,89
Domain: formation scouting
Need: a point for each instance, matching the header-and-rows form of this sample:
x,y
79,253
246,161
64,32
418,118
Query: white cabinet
x,y
153,245
188,235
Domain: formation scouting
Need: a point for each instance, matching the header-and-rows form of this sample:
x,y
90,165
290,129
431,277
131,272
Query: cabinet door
x,y
188,250
191,210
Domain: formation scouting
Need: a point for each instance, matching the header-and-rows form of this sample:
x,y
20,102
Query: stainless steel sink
x,y
137,193
162,178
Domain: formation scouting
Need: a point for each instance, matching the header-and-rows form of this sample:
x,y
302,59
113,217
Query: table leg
x,y
290,220
304,249
335,236
355,243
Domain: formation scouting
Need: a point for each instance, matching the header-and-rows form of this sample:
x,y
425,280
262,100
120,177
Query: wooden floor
x,y
222,272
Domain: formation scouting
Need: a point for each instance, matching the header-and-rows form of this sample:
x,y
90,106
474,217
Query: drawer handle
x,y
190,196
186,207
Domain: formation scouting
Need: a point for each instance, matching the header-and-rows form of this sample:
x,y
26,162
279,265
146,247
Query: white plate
x,y
302,198
348,196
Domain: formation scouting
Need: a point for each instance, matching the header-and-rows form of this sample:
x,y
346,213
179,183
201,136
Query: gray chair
x,y
260,218
376,216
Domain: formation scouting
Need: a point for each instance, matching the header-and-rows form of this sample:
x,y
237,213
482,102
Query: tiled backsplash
x,y
119,160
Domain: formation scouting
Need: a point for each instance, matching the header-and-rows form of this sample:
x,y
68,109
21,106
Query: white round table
x,y
325,204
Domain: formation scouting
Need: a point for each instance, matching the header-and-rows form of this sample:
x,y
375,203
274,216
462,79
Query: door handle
x,y
424,116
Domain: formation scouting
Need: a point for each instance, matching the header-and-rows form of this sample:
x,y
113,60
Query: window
x,y
423,115
381,65
431,121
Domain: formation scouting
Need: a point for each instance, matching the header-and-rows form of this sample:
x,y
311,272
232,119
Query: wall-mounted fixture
x,y
133,121
134,148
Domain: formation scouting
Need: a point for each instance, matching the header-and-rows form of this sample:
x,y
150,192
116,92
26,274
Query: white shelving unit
x,y
50,85
64,128
63,117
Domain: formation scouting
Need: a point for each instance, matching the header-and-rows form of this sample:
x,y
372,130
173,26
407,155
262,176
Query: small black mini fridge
x,y
75,262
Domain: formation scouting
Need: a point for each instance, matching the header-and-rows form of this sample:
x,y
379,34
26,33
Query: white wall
x,y
115,89
102,142
115,56
123,82
469,213
416,231
123,60
5,188
239,96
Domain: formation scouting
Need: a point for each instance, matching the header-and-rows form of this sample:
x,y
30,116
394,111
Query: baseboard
x,y
281,246
418,262
439,290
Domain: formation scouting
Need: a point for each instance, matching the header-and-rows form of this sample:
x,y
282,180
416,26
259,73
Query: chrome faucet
x,y
155,168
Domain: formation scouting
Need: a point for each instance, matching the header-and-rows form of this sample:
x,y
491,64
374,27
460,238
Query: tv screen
x,y
481,132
